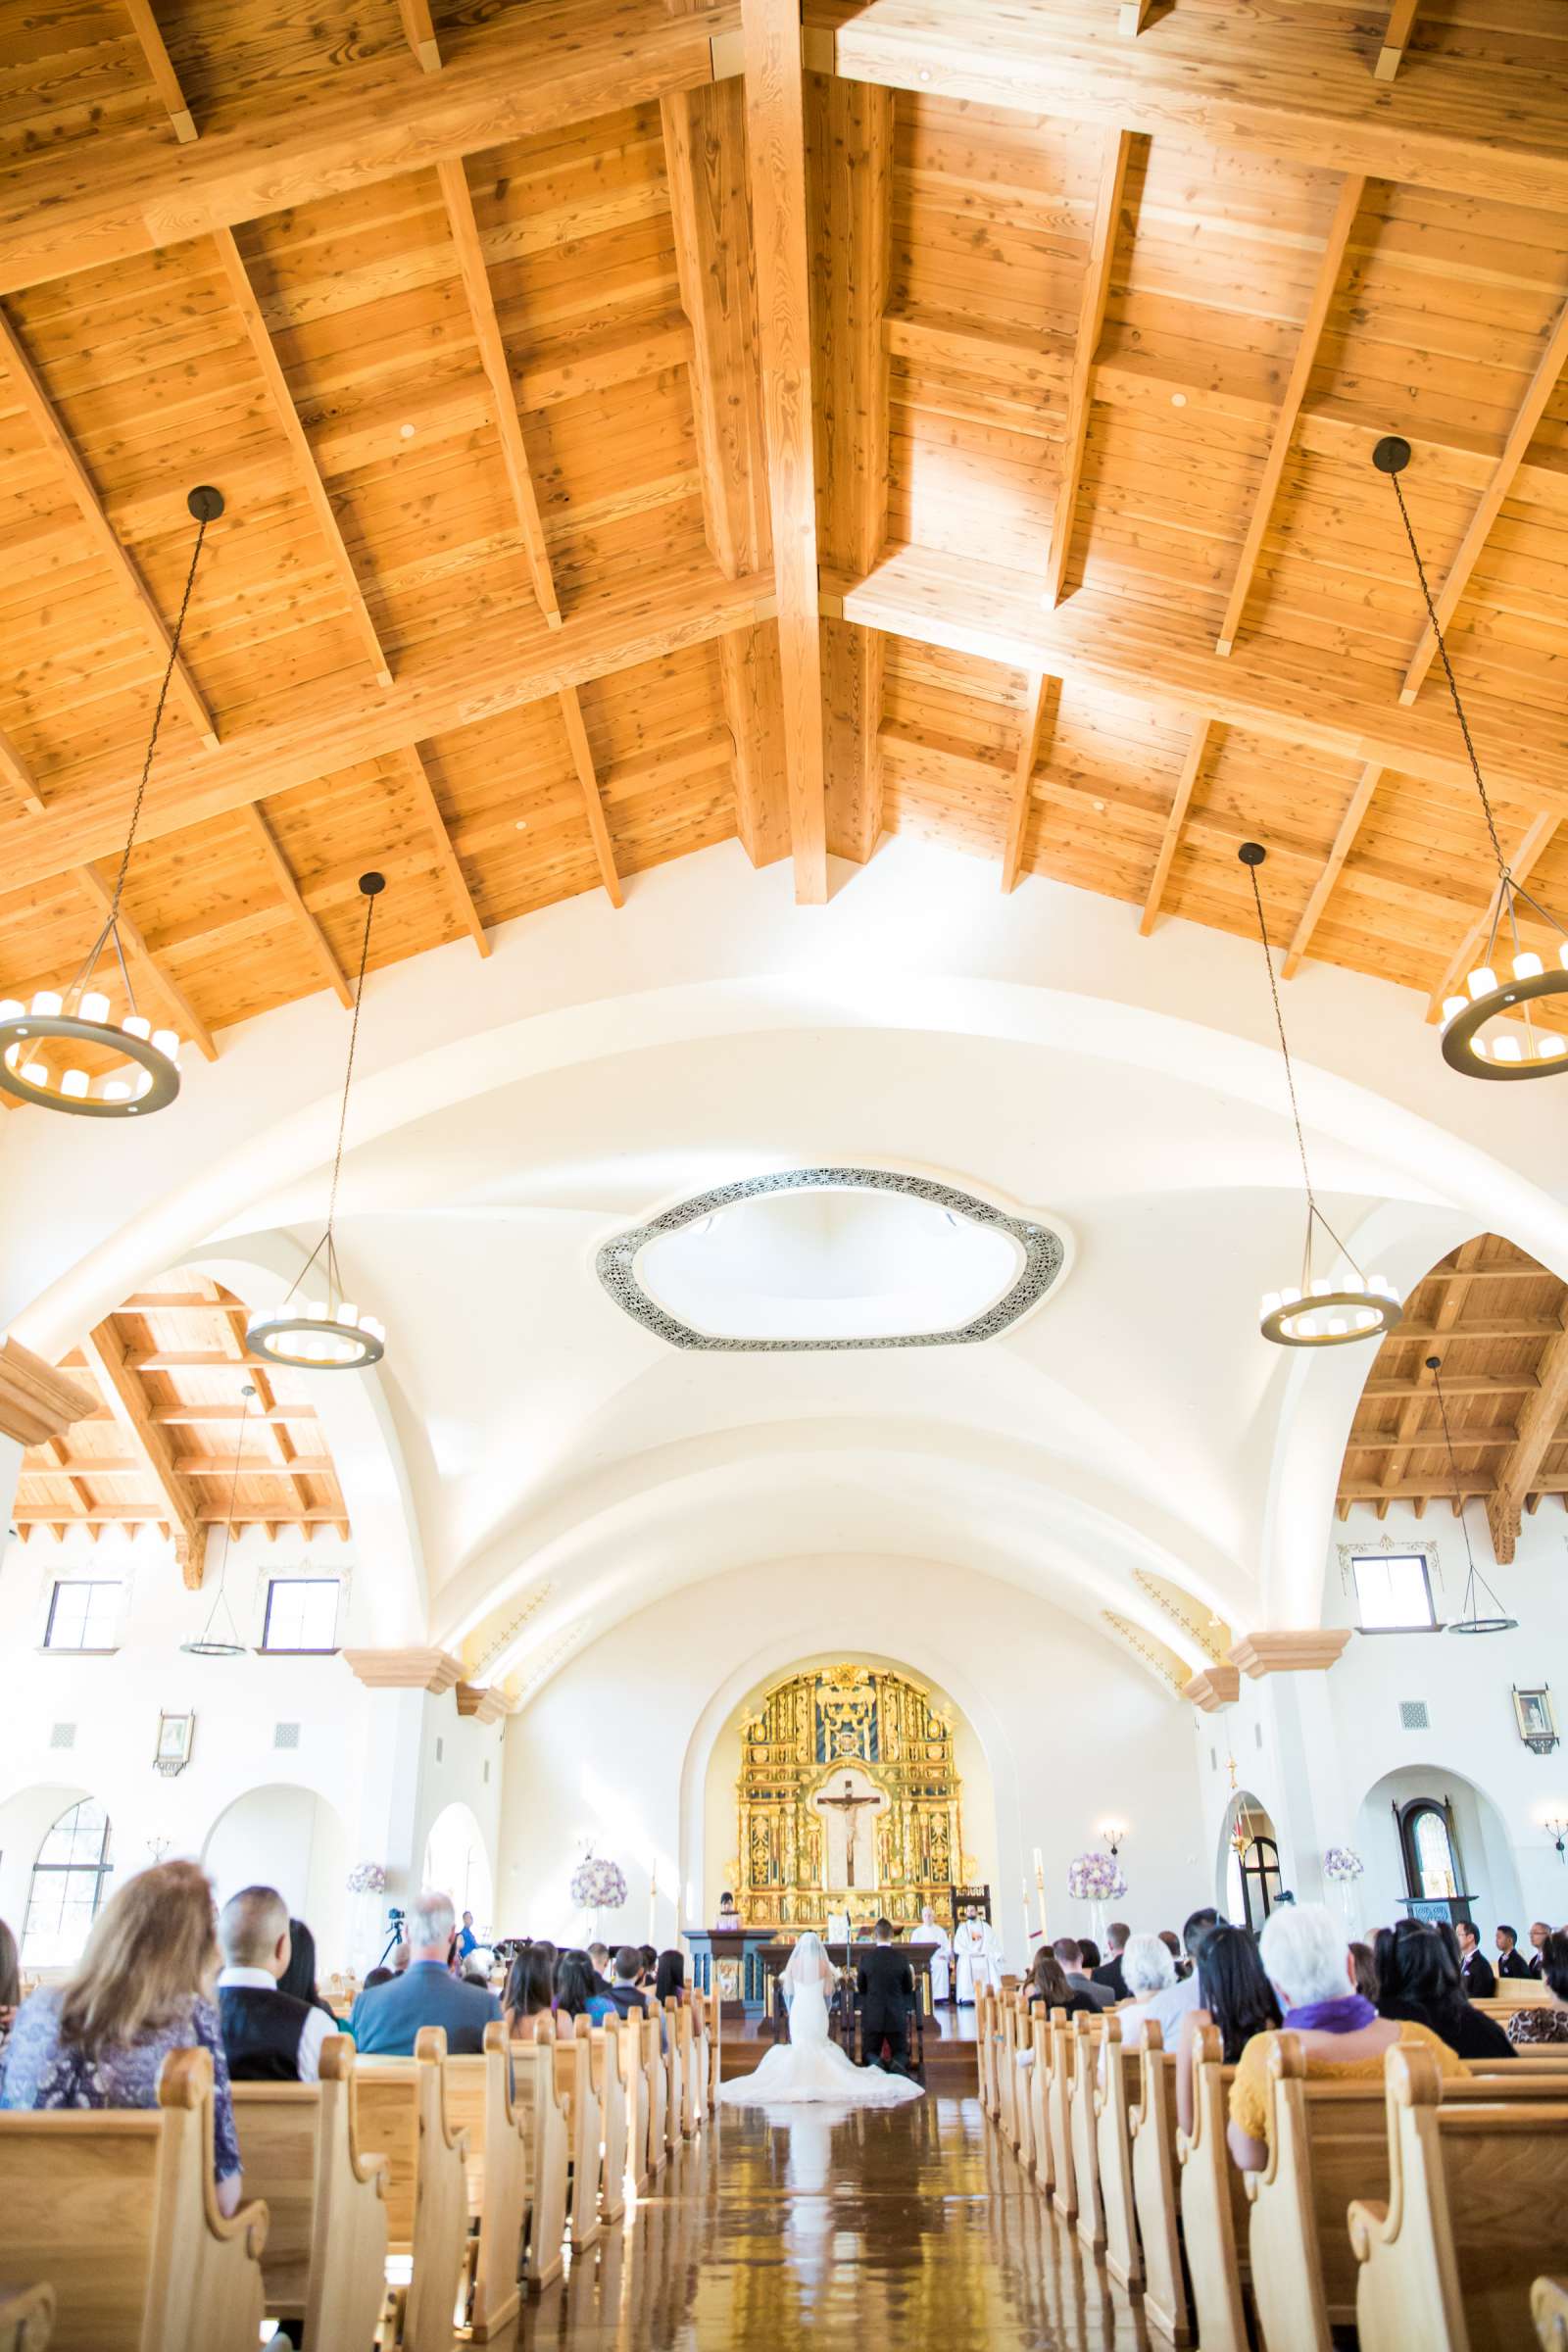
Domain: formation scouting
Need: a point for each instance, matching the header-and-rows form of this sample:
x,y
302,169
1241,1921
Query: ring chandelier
x,y
1469,1619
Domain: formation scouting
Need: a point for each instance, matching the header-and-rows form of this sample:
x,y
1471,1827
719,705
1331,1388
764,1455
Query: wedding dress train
x,y
811,2066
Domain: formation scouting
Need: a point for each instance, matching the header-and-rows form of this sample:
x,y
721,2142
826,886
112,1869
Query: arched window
x,y
1431,1864
68,1881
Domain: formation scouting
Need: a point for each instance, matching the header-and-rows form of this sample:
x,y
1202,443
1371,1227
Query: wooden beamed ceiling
x,y
631,445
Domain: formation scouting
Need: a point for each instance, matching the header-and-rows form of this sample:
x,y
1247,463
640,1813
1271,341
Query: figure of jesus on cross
x,y
847,1808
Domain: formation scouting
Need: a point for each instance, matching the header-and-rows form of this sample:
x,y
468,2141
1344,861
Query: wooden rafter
x,y
126,1399
775,126
1181,802
748,667
1532,846
1457,580
583,759
318,946
150,41
493,359
1520,1473
1396,40
1131,17
40,411
1350,826
1324,286
1091,322
1414,1410
447,858
1033,731
17,778
419,31
282,401
182,1013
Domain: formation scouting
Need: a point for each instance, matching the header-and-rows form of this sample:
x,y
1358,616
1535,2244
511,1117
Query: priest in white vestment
x,y
977,1958
931,1931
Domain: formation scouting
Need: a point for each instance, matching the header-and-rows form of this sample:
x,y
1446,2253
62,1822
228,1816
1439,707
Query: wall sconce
x,y
1113,1834
1557,1829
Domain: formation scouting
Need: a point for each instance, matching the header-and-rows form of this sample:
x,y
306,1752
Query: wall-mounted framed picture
x,y
176,1735
1538,1725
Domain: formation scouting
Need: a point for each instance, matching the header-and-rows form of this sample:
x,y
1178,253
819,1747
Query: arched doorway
x,y
455,1863
1249,1863
1431,1838
288,1838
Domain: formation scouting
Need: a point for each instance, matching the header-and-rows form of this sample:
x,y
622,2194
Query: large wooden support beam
x,y
126,1399
1324,286
419,31
446,856
37,1403
1422,1393
748,664
1181,802
1085,347
171,97
583,759
17,777
1531,409
493,359
1350,826
704,160
181,1013
39,409
1035,723
1396,40
1519,1474
318,944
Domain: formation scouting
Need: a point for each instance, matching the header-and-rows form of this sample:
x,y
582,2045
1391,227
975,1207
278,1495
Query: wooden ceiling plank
x,y
171,97
127,1401
197,1414
493,359
318,944
1519,1473
1094,295
447,858
40,411
1324,286
17,777
182,1011
1396,40
1445,1320
282,401
775,143
1350,826
419,31
583,759
1181,801
1034,724
1542,384
1531,847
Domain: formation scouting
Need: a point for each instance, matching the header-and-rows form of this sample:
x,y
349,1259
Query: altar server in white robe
x,y
932,1933
977,1957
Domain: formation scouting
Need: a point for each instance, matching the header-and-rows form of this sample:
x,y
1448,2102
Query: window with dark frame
x,y
69,1878
1393,1593
83,1613
301,1614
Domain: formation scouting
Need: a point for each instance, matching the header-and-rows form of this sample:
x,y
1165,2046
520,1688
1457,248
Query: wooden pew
x,y
654,2067
1040,2098
325,2261
678,2123
116,2208
634,2082
1024,2067
479,2101
1214,2212
1116,2078
27,2318
1059,2119
1549,2308
1454,2274
713,2019
1082,2129
984,2052
575,2088
610,2089
1155,2164
700,2055
400,2105
1004,2058
547,2139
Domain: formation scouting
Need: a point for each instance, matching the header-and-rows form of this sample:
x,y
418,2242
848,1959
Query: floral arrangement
x,y
1096,1878
1342,1864
366,1877
597,1886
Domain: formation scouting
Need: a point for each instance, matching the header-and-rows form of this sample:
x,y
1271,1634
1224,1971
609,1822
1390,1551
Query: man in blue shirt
x,y
468,1940
387,2016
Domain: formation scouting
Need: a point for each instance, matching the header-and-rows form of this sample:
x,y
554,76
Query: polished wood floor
x,y
915,2228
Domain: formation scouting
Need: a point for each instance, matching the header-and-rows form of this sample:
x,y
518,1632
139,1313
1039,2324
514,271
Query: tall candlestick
x,y
1039,1888
652,1906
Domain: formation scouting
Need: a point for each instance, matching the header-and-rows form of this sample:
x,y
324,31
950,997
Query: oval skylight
x,y
830,1257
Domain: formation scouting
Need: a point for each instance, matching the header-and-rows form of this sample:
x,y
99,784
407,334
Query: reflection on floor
x,y
914,2227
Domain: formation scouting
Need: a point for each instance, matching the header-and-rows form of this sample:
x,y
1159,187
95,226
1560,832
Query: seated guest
x,y
1526,2027
1110,1971
530,1990
386,2021
1475,1969
299,1977
1173,1945
599,1962
1417,1979
670,1979
10,1982
650,1966
1341,2035
1148,1970
1047,1985
377,1975
575,1995
1539,1931
1366,1969
1234,1996
269,2035
1512,1961
1069,1959
1168,2008
144,1987
624,1991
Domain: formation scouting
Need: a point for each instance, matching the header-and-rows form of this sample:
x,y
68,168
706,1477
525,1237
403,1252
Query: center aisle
x,y
912,2227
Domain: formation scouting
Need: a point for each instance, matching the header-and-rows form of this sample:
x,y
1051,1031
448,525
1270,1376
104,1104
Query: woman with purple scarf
x,y
1308,1962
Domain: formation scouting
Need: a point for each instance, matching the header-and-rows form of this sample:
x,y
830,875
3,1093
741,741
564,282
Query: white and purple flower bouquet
x,y
597,1886
1342,1864
1096,1878
366,1877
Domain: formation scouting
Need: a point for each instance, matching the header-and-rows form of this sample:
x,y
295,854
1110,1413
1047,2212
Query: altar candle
x,y
1040,1884
652,1906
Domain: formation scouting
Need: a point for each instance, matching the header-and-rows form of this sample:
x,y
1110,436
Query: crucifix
x,y
848,1805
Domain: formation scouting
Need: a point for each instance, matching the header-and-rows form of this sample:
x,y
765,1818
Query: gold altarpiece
x,y
879,1737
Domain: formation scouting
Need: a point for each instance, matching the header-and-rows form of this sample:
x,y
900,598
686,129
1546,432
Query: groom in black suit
x,y
885,1987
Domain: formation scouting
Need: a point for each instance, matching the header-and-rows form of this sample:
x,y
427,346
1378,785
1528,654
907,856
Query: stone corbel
x,y
37,1403
1300,1652
433,1670
1218,1687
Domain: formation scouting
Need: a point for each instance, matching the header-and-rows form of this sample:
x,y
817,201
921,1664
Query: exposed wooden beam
x,y
161,1302
1396,40
1467,1433
282,401
1413,1411
1532,846
1035,720
36,1401
1455,1384
1131,18
1324,286
318,944
493,359
583,759
127,1401
446,857
1457,580
171,97
1519,1473
747,668
1350,824
1481,1327
40,411
1475,1485
197,1415
775,140
203,1516
1181,801
182,1011
418,31
1092,302
190,1465
17,777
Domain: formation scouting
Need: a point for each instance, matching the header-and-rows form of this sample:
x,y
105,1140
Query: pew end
x,y
27,2319
325,2261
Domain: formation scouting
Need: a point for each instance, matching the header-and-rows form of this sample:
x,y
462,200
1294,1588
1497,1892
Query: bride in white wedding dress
x,y
810,2066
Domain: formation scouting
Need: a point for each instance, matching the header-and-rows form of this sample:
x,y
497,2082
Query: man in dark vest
x,y
269,2037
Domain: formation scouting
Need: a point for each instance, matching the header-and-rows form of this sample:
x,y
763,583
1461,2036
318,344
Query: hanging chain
x,y
1285,1051
354,1031
157,720
1453,1467
1453,691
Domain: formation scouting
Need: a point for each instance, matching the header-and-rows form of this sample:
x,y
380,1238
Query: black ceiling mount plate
x,y
1391,455
206,503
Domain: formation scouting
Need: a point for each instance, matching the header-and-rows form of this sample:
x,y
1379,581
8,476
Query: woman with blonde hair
x,y
144,1987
